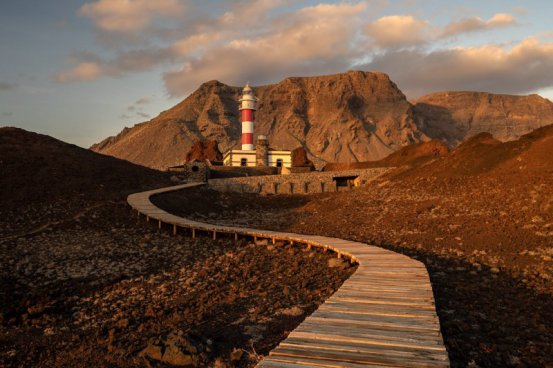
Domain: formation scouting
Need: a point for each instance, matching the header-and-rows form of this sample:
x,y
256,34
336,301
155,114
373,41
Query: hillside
x,y
354,116
38,169
412,155
456,116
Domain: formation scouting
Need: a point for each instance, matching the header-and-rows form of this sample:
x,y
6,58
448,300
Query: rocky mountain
x,y
354,116
350,117
456,116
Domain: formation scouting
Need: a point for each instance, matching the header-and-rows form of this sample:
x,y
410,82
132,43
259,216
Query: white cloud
x,y
399,30
266,40
129,15
473,24
316,39
523,68
83,71
193,43
88,66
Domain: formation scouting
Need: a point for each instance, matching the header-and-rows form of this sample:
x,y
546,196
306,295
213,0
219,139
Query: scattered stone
x,y
337,263
292,311
236,354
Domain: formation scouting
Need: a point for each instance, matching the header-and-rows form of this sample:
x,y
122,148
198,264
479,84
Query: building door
x,y
279,162
243,162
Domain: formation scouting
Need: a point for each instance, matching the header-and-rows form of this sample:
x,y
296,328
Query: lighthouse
x,y
254,155
248,105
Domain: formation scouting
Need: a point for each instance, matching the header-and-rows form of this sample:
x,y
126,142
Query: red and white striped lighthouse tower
x,y
248,105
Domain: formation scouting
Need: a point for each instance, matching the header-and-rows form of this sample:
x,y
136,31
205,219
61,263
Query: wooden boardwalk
x,y
382,316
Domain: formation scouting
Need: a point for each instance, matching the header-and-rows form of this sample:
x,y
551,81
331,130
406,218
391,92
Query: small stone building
x,y
195,171
262,155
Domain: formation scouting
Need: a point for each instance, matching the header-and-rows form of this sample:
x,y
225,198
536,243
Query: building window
x,y
244,162
279,162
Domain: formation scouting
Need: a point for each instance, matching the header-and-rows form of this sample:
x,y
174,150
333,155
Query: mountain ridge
x,y
347,117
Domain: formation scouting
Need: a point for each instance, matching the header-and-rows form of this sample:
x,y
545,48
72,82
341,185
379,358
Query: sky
x,y
83,70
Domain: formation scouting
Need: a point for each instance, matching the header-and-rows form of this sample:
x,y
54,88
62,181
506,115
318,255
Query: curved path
x,y
382,316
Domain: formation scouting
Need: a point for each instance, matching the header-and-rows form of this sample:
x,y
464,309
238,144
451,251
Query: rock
x,y
123,323
204,150
455,116
547,258
236,354
175,356
337,263
299,158
152,351
292,311
262,242
494,270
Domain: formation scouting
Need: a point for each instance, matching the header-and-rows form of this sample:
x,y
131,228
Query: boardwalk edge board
x,y
382,316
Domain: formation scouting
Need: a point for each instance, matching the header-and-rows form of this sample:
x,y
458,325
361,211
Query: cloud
x,y
88,66
405,30
83,71
250,11
143,101
129,15
7,114
137,107
523,68
312,40
267,40
399,30
5,86
473,24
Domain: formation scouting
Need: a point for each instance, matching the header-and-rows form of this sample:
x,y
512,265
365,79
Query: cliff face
x,y
354,116
456,116
350,117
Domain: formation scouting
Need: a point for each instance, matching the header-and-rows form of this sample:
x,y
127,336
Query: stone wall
x,y
304,183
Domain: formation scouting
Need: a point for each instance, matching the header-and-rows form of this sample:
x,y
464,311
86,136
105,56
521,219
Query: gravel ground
x,y
100,289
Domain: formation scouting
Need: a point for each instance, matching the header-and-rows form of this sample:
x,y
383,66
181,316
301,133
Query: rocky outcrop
x,y
204,150
456,116
299,158
354,116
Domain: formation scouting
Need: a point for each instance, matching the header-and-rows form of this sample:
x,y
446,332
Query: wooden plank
x,y
359,358
374,324
363,330
344,340
295,362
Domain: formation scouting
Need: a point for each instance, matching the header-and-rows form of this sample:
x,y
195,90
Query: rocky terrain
x,y
479,217
354,116
204,150
82,283
412,155
455,116
350,117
